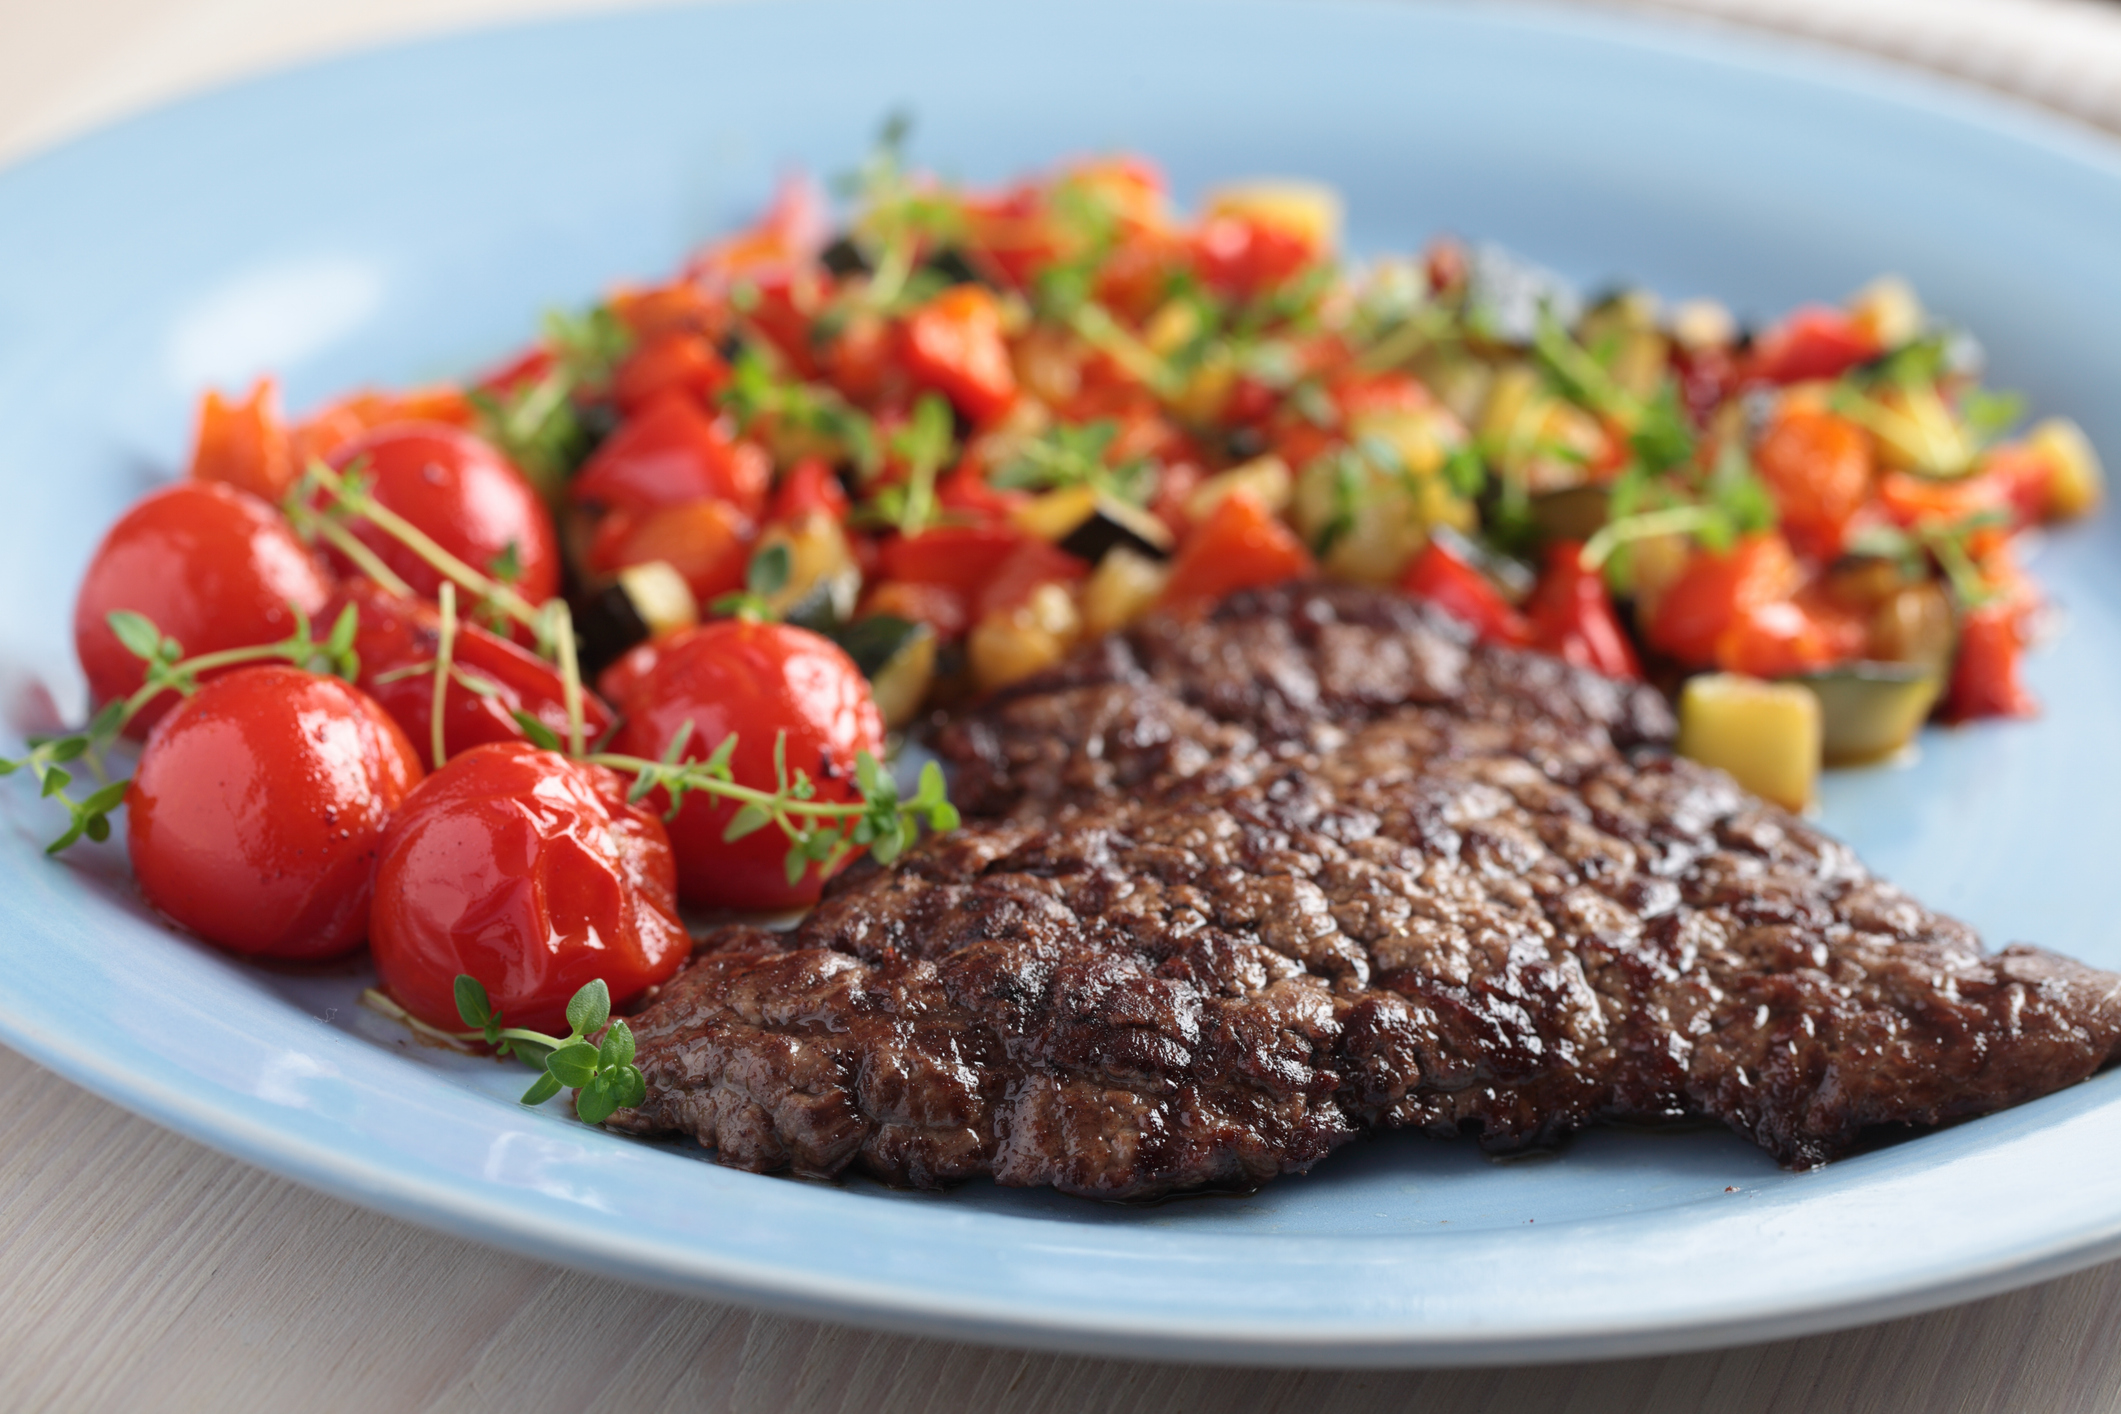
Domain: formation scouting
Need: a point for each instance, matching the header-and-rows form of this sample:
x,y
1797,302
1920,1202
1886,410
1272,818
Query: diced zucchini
x,y
635,605
2079,482
1914,625
823,579
1623,331
898,657
1087,524
1307,209
1868,711
1766,734
1010,645
1266,477
1125,585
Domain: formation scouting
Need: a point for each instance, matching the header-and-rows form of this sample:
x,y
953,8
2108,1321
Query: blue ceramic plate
x,y
403,215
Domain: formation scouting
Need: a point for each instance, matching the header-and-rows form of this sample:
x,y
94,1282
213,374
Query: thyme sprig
x,y
821,832
600,1069
924,446
168,670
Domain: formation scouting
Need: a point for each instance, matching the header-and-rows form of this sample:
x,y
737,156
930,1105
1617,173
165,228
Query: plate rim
x,y
448,1209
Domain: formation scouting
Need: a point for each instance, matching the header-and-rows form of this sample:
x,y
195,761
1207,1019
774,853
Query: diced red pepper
x,y
1714,589
1985,680
1818,468
1784,637
810,486
1240,545
244,444
707,542
960,557
1816,341
1463,592
672,454
1571,616
954,345
1243,258
525,368
1913,500
965,492
1035,562
939,606
671,362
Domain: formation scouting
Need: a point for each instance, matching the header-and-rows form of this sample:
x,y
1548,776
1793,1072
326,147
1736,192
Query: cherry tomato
x,y
1463,592
761,681
491,680
464,495
244,443
531,873
215,568
954,345
1784,637
1572,616
1818,468
673,453
258,809
1240,545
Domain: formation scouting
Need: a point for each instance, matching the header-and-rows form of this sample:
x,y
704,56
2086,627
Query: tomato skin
x,y
1466,594
531,873
1815,341
396,634
673,453
1783,637
954,345
1035,563
1818,468
1572,616
463,494
757,680
258,809
958,557
1240,545
215,568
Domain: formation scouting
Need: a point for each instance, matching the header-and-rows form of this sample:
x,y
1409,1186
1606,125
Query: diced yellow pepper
x,y
1307,209
1766,734
1265,477
1124,586
2079,483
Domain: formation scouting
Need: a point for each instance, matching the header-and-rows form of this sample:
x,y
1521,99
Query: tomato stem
x,y
366,560
445,654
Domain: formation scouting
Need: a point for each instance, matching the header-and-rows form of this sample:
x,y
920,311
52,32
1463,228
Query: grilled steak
x,y
1315,866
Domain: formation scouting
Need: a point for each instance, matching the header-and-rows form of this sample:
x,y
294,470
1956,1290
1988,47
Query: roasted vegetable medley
x,y
958,430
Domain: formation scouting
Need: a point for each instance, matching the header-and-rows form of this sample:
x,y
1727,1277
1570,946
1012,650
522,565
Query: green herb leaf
x,y
472,1004
574,1064
542,1089
137,633
537,733
589,1008
749,819
617,1047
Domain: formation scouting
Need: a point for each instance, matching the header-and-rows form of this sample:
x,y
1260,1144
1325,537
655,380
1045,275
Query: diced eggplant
x,y
1868,711
950,263
1088,524
843,258
635,605
898,657
823,579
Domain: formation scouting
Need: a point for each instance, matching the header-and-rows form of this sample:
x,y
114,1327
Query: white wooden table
x,y
139,1271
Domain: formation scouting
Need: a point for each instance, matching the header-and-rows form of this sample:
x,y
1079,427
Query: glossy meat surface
x,y
1258,912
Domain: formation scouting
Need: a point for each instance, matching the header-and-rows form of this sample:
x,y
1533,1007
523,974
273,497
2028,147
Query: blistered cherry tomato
x,y
214,568
531,873
491,679
259,806
462,493
762,682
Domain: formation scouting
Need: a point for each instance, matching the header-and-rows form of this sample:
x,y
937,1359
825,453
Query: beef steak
x,y
1315,865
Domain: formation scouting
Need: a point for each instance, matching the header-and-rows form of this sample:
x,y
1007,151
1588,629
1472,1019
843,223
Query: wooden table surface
x,y
143,1272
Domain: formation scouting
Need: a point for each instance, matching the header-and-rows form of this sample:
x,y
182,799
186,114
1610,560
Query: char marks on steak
x,y
1314,865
